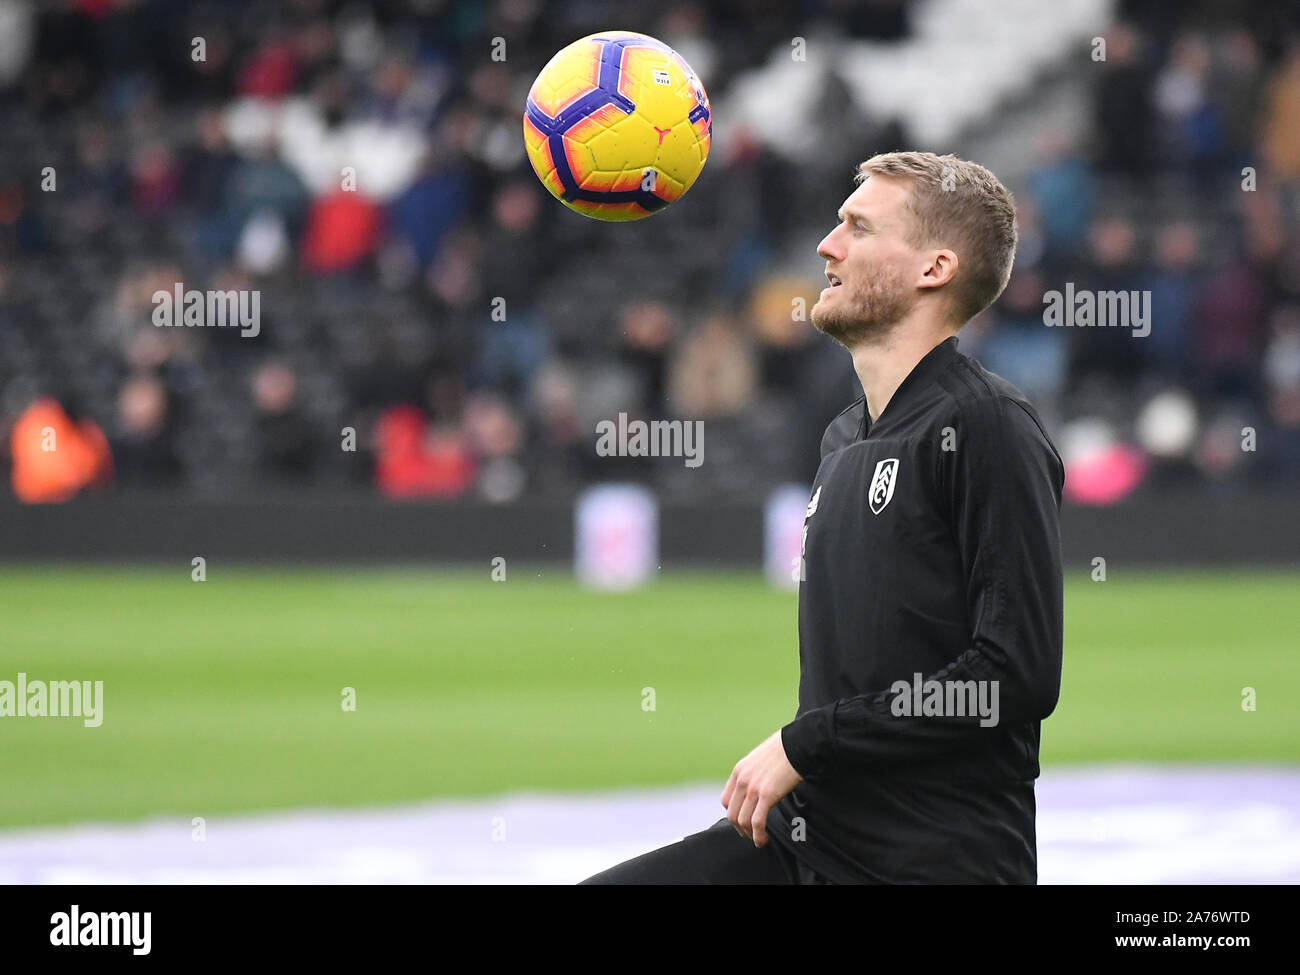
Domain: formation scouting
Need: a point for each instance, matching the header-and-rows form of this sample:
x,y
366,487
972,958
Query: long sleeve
x,y
1001,488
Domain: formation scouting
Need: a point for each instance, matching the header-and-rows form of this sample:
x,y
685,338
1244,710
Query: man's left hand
x,y
758,782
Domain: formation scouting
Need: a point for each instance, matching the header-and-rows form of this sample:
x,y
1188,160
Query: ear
x,y
941,269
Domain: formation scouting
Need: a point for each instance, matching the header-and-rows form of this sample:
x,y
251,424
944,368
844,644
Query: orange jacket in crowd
x,y
54,456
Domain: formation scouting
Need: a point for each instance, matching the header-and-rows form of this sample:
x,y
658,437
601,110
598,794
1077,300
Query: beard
x,y
866,310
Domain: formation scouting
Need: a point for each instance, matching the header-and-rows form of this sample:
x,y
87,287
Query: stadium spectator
x,y
287,446
342,231
1280,136
143,434
416,459
56,454
713,372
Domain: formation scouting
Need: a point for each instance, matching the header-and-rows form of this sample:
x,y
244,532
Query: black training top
x,y
931,547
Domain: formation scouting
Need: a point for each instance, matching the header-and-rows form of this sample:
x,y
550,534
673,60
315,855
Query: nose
x,y
829,248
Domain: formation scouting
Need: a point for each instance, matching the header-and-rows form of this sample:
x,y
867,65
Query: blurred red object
x,y
416,461
155,181
55,456
99,9
342,230
271,73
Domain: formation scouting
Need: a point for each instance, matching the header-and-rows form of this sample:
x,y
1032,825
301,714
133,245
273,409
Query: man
x,y
930,604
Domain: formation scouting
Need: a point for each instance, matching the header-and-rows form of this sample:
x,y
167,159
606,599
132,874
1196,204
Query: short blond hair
x,y
961,205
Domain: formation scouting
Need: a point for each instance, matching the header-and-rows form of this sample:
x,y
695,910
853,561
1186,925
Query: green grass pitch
x,y
225,695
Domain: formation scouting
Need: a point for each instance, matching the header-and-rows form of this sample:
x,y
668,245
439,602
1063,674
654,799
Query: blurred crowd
x,y
434,325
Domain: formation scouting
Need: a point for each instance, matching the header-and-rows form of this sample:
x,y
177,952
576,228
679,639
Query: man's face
x,y
868,254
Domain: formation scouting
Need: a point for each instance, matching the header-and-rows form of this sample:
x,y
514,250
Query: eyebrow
x,y
860,217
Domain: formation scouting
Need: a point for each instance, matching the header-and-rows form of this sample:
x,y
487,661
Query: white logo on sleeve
x,y
882,484
812,505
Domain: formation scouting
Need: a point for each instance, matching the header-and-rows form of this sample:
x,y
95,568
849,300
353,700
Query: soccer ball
x,y
617,126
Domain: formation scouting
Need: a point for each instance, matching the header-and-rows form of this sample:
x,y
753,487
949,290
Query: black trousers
x,y
717,855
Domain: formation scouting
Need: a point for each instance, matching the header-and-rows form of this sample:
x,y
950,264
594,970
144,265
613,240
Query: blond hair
x,y
961,205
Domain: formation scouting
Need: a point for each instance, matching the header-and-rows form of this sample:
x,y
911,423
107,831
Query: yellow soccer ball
x,y
617,126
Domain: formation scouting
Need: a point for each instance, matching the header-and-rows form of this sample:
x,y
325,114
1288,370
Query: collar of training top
x,y
931,364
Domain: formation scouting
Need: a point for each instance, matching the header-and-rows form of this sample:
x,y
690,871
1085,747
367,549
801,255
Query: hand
x,y
758,782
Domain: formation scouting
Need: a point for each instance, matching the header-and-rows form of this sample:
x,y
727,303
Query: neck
x,y
882,362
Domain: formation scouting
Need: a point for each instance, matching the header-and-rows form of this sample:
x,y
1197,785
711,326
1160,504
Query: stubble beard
x,y
868,312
